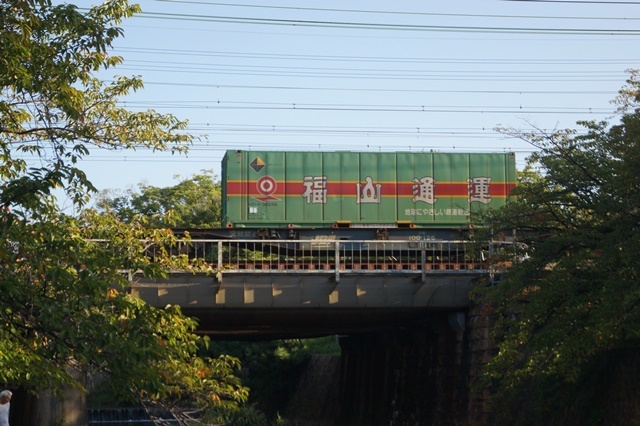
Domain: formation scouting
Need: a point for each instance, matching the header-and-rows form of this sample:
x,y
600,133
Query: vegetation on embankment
x,y
271,369
569,307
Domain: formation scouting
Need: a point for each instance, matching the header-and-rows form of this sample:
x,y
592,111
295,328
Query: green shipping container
x,y
276,189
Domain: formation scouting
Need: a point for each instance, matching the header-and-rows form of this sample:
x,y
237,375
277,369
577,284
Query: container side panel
x,y
309,189
415,187
510,174
267,187
235,188
491,179
255,188
341,170
223,183
376,188
450,173
306,188
486,181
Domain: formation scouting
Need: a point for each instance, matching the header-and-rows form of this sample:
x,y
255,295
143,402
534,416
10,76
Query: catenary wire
x,y
389,12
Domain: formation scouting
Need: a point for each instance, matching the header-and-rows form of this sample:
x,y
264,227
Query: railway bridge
x,y
304,288
400,306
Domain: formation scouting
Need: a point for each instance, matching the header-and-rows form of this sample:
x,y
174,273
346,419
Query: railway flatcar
x,y
384,190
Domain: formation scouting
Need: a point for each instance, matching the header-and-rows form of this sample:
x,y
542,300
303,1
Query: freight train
x,y
417,196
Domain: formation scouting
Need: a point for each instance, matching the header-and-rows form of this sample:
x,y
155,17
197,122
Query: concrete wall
x,y
481,348
427,374
45,409
404,377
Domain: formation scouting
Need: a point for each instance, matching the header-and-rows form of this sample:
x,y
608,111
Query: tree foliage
x,y
192,203
575,293
62,302
63,307
53,107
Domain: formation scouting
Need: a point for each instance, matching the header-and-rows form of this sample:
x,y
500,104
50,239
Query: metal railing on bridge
x,y
345,256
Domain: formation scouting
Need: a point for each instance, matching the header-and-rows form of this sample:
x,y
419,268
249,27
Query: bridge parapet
x,y
332,256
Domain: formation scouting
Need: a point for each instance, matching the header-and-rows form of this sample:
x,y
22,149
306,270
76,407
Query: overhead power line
x,y
195,66
579,1
439,76
378,89
483,109
395,12
393,130
389,59
384,26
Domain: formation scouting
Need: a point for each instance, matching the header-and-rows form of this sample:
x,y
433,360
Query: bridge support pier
x,y
405,376
46,409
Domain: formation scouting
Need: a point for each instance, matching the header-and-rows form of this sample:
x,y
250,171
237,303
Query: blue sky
x,y
366,75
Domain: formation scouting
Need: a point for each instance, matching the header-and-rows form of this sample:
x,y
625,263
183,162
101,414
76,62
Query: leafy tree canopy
x,y
192,203
575,293
62,304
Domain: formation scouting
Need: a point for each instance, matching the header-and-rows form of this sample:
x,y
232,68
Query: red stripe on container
x,y
349,189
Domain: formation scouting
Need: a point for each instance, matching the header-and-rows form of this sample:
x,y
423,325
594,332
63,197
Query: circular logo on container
x,y
266,186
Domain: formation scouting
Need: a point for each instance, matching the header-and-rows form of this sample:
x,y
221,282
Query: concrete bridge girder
x,y
302,305
299,291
